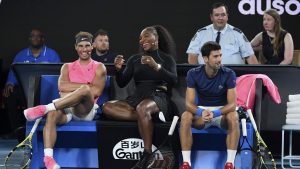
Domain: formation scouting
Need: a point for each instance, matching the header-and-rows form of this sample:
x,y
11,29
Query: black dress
x,y
148,81
267,48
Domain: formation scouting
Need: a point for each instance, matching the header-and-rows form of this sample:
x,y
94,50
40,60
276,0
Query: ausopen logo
x,y
252,7
131,149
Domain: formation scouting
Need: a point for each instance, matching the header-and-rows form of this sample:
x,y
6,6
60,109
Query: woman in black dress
x,y
274,42
154,73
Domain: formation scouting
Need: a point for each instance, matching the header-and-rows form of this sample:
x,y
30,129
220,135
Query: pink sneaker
x,y
50,163
34,112
229,166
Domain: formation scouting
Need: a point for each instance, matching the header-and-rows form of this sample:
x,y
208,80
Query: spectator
x,y
214,87
101,45
275,43
80,84
154,73
37,52
235,46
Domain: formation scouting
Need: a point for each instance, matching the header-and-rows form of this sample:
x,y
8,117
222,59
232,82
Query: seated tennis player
x,y
80,84
213,85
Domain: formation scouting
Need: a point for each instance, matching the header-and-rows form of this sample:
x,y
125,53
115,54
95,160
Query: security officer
x,y
235,46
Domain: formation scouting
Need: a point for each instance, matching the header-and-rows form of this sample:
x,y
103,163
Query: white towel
x,y
293,110
293,104
295,97
293,116
292,121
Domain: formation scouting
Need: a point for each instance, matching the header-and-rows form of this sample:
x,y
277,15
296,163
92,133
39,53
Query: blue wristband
x,y
199,112
217,113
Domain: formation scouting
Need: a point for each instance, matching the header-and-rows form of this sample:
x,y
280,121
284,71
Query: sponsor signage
x,y
131,149
252,7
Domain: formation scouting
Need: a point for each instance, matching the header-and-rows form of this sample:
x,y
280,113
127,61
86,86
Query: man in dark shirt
x,y
101,45
213,85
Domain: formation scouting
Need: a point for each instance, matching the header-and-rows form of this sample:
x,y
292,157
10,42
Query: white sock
x,y
186,155
50,107
48,152
231,156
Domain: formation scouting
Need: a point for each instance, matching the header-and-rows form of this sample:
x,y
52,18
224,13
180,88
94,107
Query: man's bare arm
x,y
190,100
252,59
98,84
192,58
231,102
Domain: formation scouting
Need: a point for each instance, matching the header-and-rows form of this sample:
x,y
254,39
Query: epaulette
x,y
237,29
202,29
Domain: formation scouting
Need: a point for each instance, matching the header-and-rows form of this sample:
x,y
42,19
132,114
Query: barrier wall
x,y
286,78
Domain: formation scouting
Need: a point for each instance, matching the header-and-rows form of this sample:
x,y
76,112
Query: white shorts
x,y
215,121
89,117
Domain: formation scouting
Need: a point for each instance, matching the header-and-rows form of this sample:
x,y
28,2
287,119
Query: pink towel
x,y
246,86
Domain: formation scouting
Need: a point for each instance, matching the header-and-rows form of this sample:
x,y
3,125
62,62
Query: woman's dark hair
x,y
166,42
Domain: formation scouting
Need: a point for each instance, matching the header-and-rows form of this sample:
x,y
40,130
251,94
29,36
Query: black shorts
x,y
161,99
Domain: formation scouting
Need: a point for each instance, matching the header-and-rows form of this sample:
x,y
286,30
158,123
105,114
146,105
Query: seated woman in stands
x,y
154,73
275,43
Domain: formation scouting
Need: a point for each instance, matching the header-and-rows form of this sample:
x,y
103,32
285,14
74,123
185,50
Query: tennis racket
x,y
20,156
243,117
163,157
265,156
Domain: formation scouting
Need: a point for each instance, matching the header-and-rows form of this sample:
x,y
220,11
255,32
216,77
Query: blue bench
x,y
76,144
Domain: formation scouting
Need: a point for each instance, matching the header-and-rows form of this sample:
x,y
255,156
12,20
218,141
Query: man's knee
x,y
52,117
232,117
186,118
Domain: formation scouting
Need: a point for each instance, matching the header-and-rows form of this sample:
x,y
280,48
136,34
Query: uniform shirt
x,y
47,55
211,91
235,46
